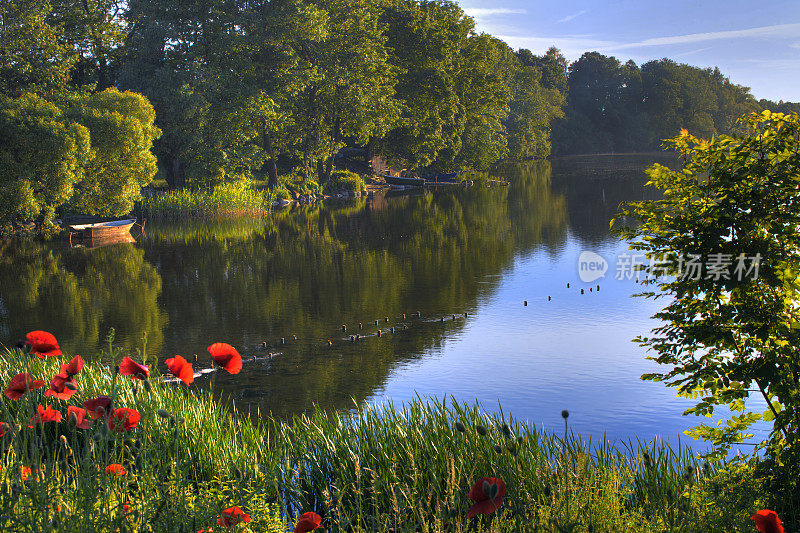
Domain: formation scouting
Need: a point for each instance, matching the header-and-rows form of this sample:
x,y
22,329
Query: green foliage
x,y
90,153
235,198
344,180
181,471
33,55
122,133
615,107
727,336
43,155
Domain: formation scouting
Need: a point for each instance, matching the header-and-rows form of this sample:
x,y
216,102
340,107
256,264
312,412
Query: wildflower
x,y
73,367
58,387
307,522
488,495
129,367
767,521
43,344
45,415
232,516
78,415
20,384
226,356
181,369
97,407
25,473
481,430
460,427
123,419
564,414
124,509
115,470
4,428
684,132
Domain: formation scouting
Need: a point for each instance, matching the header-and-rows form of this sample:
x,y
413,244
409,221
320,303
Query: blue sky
x,y
755,43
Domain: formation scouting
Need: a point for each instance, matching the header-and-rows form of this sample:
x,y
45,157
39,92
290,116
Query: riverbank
x,y
190,457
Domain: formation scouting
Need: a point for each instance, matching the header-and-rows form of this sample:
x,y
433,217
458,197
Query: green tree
x,y
42,157
33,57
122,133
534,105
726,335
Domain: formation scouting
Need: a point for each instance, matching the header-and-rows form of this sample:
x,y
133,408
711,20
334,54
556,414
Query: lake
x,y
307,271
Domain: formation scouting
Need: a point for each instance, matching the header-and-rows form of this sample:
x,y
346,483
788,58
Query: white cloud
x,y
570,17
692,52
479,12
778,30
571,46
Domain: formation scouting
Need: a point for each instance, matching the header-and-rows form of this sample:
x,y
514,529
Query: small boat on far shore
x,y
400,180
102,230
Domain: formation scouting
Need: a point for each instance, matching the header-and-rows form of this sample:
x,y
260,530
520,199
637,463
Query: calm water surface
x,y
307,271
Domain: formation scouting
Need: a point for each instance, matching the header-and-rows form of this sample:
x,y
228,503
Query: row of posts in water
x,y
597,289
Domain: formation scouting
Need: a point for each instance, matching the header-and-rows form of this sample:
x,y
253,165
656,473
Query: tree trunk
x,y
272,166
321,170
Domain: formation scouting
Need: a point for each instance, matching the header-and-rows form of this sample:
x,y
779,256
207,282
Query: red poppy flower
x,y
58,387
4,428
232,516
206,530
79,415
115,470
226,356
123,419
767,521
24,473
45,415
307,522
73,367
181,369
488,495
129,367
20,384
125,509
97,407
43,344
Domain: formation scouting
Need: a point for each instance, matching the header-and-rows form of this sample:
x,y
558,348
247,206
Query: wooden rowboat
x,y
102,230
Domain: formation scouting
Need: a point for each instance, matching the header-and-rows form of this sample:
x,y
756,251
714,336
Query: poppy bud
x,y
171,421
460,427
646,459
70,385
63,440
481,430
564,414
506,430
238,474
163,413
498,449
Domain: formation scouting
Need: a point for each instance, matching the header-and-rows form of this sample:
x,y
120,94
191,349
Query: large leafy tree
x,y
731,333
33,57
349,92
42,157
121,163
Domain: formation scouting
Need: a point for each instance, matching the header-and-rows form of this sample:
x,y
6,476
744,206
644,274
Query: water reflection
x,y
306,271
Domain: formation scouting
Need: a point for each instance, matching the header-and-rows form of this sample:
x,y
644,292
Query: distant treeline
x,y
242,88
622,107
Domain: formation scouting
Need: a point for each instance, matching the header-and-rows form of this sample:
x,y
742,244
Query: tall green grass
x,y
228,199
377,468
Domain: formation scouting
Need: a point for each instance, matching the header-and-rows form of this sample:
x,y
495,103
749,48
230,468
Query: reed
x,y
228,199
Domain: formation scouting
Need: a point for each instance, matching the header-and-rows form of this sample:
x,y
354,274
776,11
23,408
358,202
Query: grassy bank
x,y
403,469
229,199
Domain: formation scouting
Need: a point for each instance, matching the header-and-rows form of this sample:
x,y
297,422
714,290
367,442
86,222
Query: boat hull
x,y
103,230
